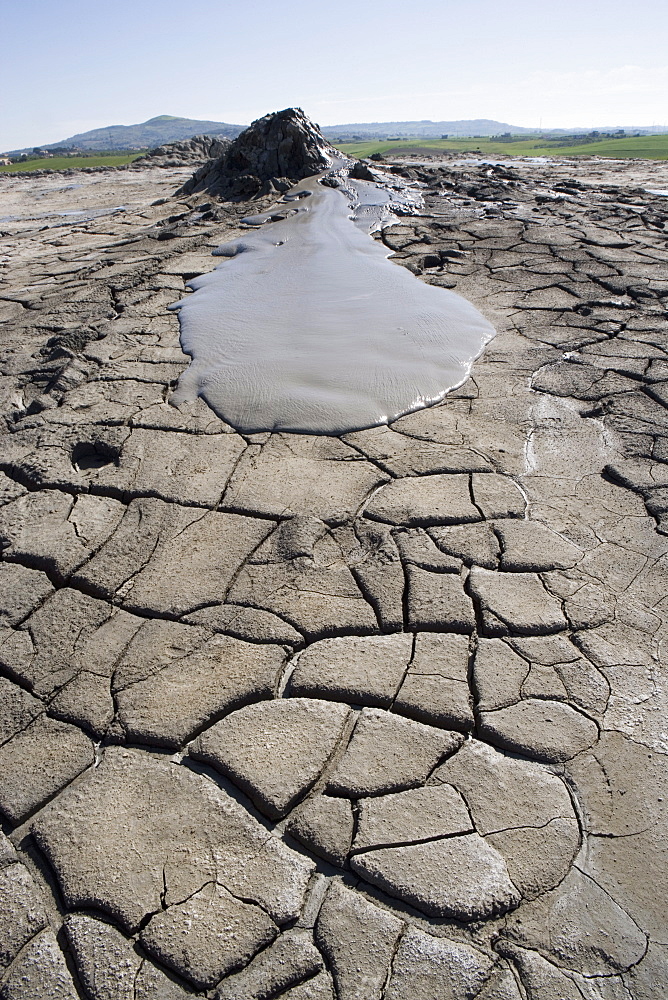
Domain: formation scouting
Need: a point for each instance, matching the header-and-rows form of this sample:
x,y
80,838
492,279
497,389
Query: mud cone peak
x,y
273,153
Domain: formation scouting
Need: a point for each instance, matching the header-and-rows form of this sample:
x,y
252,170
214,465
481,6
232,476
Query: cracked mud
x,y
378,716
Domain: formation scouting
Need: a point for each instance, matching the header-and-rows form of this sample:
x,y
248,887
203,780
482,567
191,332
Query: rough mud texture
x,y
268,156
184,153
379,717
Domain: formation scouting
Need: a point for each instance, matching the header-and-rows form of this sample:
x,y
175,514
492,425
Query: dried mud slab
x,y
374,716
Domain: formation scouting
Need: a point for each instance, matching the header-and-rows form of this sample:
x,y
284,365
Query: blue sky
x,y
72,65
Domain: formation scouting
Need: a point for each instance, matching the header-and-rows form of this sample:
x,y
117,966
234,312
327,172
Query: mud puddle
x,y
308,327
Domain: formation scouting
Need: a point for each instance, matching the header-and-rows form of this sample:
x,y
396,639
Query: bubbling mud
x,y
308,327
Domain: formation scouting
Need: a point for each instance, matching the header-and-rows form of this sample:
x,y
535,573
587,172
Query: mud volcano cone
x,y
271,155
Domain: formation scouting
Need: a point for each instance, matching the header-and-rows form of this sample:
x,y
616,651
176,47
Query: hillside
x,y
423,129
167,128
145,135
466,128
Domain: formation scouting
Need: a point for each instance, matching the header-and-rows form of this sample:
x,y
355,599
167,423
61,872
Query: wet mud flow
x,y
308,327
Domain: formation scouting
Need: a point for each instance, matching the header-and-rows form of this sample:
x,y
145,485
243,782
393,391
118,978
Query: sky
x,y
72,65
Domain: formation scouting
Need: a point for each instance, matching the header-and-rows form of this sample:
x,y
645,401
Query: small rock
x,y
361,172
290,961
424,501
365,670
274,750
438,601
208,936
497,496
546,730
461,877
389,754
408,817
427,967
325,825
358,941
516,603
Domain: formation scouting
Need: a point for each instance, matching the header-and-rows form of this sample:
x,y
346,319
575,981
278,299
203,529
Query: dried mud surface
x,y
371,717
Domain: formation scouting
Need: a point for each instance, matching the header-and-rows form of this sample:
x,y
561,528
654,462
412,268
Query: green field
x,y
649,147
71,162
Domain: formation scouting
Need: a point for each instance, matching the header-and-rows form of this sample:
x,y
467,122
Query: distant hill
x,y
145,135
466,128
167,128
423,129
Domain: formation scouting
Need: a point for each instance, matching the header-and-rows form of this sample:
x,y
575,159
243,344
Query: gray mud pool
x,y
308,327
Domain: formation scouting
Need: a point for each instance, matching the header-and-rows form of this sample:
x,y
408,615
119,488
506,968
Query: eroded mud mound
x,y
271,155
186,152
